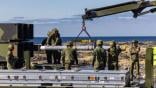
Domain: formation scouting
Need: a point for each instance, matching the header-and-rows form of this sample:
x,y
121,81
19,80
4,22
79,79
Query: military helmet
x,y
55,30
10,46
69,43
134,41
112,43
99,42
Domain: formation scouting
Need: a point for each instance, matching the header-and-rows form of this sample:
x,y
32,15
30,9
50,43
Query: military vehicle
x,y
20,34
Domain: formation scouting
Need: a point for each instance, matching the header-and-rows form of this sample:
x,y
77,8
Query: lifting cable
x,y
83,28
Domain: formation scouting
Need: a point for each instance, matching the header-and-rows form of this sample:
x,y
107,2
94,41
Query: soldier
x,y
112,57
10,57
118,48
69,56
53,40
58,41
49,52
99,56
134,55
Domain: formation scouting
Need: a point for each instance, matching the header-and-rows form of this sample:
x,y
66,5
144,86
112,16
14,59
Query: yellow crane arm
x,y
135,6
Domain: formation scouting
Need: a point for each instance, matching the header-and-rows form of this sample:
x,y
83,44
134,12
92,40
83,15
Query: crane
x,y
136,7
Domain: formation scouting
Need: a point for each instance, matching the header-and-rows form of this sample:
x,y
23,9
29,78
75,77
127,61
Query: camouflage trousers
x,y
113,66
134,63
113,63
57,55
49,56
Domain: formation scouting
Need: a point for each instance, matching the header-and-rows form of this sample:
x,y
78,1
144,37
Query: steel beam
x,y
89,47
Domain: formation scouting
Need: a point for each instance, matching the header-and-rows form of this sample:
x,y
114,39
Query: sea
x,y
38,40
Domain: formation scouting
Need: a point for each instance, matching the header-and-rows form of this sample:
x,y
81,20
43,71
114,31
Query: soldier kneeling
x,y
11,60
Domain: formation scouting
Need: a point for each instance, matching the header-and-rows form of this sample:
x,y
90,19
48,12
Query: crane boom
x,y
135,6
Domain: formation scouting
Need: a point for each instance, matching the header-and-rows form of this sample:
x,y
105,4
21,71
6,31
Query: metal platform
x,y
64,78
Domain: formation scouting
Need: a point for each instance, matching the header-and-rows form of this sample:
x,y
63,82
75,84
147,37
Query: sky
x,y
66,15
48,8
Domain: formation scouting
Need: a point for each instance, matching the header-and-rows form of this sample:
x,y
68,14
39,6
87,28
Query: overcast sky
x,y
64,14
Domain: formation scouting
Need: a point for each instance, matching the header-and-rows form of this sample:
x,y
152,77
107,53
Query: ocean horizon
x,y
38,40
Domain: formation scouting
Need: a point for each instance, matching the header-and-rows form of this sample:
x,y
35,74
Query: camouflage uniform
x,y
112,57
134,55
69,56
118,52
10,57
53,40
49,52
99,56
58,42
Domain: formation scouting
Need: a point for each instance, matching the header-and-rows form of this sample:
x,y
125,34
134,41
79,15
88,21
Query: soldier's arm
x,y
44,41
48,42
8,56
138,49
58,41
